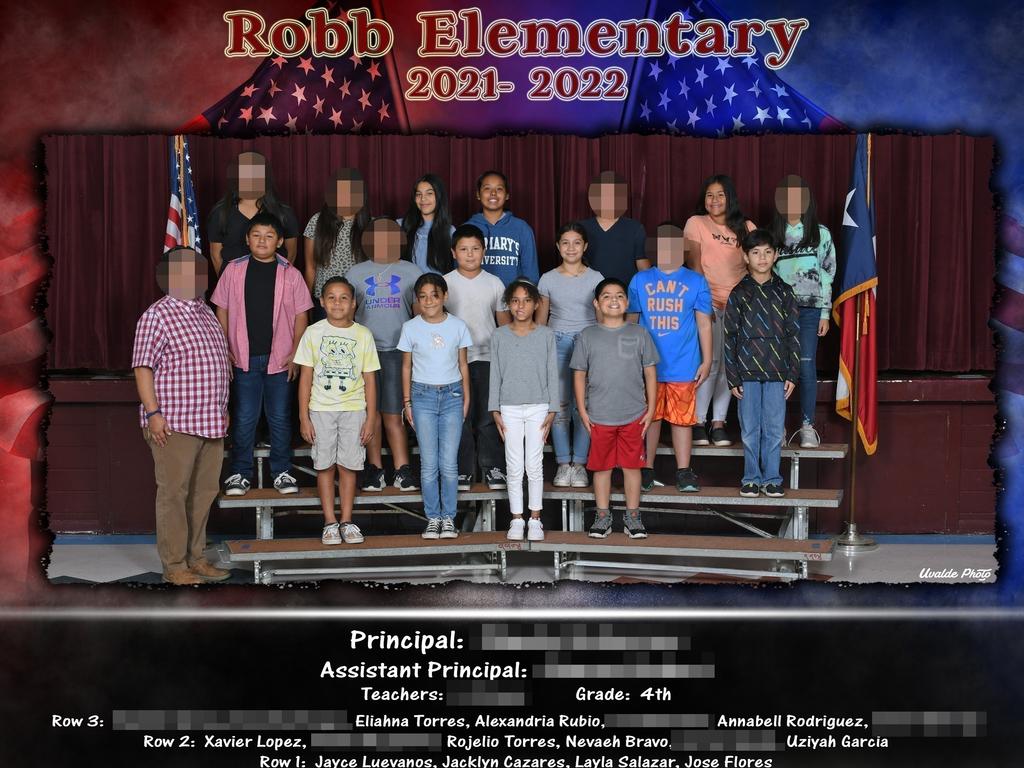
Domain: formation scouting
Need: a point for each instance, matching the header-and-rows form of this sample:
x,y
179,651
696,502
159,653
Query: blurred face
x,y
522,305
492,194
611,302
250,176
667,250
339,303
608,199
431,300
426,199
263,242
383,241
469,254
571,247
716,202
760,260
347,195
184,277
792,198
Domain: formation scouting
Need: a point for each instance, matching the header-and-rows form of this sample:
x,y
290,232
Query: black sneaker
x,y
373,478
285,483
774,490
465,482
686,481
633,526
404,479
648,480
700,435
236,485
495,479
749,490
720,437
601,526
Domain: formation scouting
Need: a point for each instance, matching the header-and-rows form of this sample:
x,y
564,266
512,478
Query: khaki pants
x,y
187,471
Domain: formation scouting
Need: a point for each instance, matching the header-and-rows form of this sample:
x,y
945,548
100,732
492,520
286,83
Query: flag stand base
x,y
852,543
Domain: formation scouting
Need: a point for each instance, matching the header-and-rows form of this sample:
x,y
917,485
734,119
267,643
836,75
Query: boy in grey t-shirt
x,y
616,384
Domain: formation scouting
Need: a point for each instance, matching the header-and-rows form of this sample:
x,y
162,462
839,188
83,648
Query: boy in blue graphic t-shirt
x,y
674,304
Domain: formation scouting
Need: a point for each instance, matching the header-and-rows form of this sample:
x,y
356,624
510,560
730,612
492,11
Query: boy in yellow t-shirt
x,y
338,403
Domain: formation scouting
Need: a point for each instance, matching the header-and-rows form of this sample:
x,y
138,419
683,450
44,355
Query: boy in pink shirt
x,y
261,304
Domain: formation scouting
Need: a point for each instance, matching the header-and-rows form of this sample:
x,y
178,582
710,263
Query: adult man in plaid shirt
x,y
183,374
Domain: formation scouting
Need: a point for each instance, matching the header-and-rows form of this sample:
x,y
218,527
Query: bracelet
x,y
154,413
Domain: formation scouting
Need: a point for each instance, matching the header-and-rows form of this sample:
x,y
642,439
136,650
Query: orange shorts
x,y
677,403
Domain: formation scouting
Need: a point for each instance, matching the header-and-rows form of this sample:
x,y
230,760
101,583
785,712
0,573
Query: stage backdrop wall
x,y
106,207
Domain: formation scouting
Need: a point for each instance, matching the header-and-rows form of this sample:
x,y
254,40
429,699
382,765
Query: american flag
x,y
310,94
182,217
715,96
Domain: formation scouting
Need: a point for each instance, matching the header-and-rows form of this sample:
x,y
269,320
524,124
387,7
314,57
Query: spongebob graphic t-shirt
x,y
666,303
384,296
339,357
435,349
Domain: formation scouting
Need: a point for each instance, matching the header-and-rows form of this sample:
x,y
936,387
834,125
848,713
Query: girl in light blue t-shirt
x,y
435,387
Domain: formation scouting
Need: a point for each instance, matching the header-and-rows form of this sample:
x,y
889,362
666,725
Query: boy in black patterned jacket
x,y
762,361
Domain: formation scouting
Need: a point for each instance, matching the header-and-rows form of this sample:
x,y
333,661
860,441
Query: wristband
x,y
154,413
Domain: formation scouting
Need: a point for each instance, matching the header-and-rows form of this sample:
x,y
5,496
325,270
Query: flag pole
x,y
850,542
179,150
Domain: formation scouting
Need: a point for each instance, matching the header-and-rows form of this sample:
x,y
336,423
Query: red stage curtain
x,y
107,203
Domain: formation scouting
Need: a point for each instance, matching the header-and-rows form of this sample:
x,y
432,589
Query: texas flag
x,y
857,358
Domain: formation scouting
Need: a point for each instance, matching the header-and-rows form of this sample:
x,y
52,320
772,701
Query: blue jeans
x,y
809,317
568,435
762,412
437,413
252,390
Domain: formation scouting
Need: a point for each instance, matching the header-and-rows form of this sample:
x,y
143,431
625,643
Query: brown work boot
x,y
182,578
207,572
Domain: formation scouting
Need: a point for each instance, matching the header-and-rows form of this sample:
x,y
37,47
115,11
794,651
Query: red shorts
x,y
617,446
677,403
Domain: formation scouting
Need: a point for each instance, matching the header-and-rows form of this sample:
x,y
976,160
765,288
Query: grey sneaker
x,y
433,529
495,479
563,477
351,534
579,476
808,435
633,526
236,485
601,526
331,534
285,484
448,529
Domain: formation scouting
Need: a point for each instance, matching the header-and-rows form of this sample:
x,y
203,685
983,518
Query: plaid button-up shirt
x,y
184,345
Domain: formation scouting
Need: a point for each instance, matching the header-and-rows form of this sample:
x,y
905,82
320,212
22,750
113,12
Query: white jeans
x,y
524,449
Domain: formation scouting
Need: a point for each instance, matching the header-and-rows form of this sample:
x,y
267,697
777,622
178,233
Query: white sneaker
x,y
331,534
579,476
809,437
351,534
563,477
516,528
535,530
